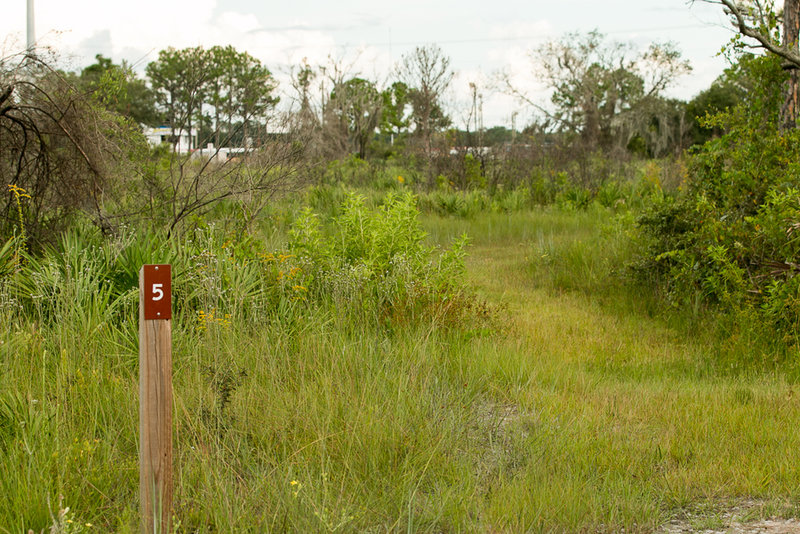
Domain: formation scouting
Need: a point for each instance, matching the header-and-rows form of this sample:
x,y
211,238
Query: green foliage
x,y
473,173
220,90
610,195
471,185
723,94
178,78
574,198
356,104
376,261
69,341
342,376
394,119
446,201
63,154
353,171
729,238
310,415
119,89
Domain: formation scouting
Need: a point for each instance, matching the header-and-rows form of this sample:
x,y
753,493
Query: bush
x,y
730,238
63,151
376,261
574,198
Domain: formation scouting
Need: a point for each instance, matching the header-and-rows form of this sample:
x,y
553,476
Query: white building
x,y
163,134
220,154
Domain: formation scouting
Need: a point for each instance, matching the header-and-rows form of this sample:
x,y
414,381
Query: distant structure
x,y
181,142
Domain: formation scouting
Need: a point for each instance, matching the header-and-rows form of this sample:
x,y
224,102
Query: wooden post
x,y
155,398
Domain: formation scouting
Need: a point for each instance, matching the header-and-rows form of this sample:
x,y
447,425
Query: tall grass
x,y
557,407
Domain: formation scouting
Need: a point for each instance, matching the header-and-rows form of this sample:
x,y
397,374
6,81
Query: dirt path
x,y
499,273
728,523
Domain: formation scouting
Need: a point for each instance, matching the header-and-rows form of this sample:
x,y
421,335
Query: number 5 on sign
x,y
157,292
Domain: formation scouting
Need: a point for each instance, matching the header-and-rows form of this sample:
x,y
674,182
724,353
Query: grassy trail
x,y
627,422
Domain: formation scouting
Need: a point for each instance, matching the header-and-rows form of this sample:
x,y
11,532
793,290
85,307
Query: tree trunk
x,y
791,34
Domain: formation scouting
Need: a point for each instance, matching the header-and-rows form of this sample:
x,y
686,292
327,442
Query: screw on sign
x,y
157,292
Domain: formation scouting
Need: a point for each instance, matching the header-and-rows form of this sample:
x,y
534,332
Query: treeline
x,y
221,92
608,108
229,97
606,95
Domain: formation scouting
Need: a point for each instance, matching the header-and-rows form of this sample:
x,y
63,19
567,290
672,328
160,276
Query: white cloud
x,y
137,31
531,31
143,24
243,23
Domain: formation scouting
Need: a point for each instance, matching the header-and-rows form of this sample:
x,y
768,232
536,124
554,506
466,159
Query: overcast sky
x,y
480,37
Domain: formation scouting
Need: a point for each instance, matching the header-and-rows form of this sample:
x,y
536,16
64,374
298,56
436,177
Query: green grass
x,y
577,408
633,417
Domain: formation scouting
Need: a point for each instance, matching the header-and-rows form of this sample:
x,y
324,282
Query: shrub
x,y
730,237
574,198
63,149
376,261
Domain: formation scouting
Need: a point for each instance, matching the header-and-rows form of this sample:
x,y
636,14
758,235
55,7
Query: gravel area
x,y
746,517
769,526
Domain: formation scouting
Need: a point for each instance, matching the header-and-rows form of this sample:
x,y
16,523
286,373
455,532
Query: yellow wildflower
x,y
18,191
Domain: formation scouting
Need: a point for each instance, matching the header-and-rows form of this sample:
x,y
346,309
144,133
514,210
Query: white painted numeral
x,y
158,293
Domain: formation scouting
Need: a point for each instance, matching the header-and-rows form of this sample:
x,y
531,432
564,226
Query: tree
x,y
498,135
723,94
219,93
64,154
180,79
604,91
63,149
344,117
229,91
394,116
658,128
357,104
247,96
757,21
119,89
305,119
426,71
230,94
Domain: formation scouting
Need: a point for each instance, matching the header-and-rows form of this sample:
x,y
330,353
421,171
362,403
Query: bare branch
x,y
739,21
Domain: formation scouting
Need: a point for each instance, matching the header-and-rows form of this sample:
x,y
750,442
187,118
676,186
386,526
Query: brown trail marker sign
x,y
155,398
